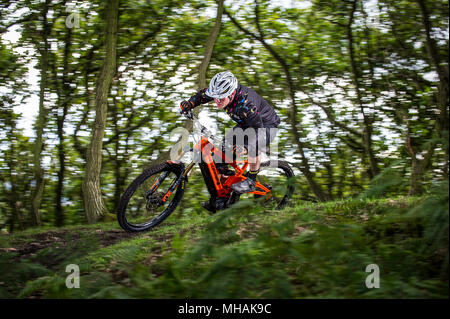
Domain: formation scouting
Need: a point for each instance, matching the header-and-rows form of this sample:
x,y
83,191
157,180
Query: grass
x,y
305,251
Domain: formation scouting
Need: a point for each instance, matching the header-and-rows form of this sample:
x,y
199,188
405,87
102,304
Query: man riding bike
x,y
249,110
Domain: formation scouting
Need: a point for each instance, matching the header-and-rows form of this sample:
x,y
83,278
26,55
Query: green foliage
x,y
379,105
434,212
13,278
369,98
390,181
316,251
305,251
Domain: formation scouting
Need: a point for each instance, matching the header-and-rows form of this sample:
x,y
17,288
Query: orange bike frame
x,y
224,190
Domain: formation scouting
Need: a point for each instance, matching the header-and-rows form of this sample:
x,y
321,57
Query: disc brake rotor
x,y
154,201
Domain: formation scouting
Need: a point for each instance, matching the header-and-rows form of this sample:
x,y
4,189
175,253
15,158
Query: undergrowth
x,y
304,251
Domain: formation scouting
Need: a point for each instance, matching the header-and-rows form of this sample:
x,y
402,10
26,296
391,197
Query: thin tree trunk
x,y
442,123
416,182
210,42
12,196
40,123
119,167
330,179
87,96
93,201
367,132
65,95
304,168
418,166
342,175
201,82
14,202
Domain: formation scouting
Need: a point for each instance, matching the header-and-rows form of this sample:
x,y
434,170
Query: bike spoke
x,y
146,205
278,182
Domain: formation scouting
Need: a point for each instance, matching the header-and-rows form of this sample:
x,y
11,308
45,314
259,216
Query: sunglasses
x,y
221,99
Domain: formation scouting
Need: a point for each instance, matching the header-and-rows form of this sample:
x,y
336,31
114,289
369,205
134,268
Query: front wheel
x,y
147,201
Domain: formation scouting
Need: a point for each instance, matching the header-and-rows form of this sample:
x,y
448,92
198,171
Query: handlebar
x,y
191,116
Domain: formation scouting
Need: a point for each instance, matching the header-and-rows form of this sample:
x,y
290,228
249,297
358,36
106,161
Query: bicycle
x,y
157,191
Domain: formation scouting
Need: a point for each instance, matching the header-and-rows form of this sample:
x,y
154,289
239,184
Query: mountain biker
x,y
249,110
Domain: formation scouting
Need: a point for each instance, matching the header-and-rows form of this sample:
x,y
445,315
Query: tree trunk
x,y
14,202
65,97
416,181
305,169
13,196
210,42
93,201
418,166
367,132
201,81
330,179
342,175
442,123
121,170
40,123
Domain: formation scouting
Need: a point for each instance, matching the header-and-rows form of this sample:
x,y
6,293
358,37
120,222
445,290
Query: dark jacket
x,y
248,108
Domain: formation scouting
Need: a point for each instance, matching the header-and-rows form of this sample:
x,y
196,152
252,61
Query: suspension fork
x,y
188,169
157,183
177,182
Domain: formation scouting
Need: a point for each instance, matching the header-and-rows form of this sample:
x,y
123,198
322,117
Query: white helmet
x,y
222,85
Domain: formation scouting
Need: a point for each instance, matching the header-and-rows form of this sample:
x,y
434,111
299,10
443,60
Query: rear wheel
x,y
279,178
142,205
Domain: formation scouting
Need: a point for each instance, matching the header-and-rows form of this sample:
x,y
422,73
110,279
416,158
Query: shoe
x,y
207,205
218,204
247,185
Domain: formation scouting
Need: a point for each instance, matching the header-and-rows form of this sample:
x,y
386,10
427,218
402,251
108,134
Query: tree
x,y
93,201
43,49
209,46
304,167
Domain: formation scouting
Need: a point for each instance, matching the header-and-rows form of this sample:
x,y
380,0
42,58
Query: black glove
x,y
186,106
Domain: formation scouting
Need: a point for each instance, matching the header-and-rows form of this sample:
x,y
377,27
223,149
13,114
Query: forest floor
x,y
305,251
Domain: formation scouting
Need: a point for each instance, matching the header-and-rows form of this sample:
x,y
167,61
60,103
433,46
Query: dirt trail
x,y
29,245
64,238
